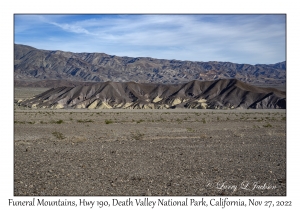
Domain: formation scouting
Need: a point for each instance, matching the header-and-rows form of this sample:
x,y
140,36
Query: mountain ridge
x,y
217,94
31,64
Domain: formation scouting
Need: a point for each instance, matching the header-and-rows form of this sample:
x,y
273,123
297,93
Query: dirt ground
x,y
27,92
149,152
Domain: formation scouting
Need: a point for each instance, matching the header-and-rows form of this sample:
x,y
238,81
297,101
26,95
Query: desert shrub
x,y
203,120
57,122
137,135
178,120
189,130
19,122
58,135
139,121
84,121
267,125
108,121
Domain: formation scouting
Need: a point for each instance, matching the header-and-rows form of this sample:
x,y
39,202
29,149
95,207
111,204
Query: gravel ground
x,y
27,92
182,152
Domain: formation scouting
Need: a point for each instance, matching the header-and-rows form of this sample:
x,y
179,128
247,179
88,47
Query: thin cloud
x,y
241,38
72,28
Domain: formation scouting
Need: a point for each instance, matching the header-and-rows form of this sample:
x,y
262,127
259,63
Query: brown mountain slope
x,y
218,94
34,64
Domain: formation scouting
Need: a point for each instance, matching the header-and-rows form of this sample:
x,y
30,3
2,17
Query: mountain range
x,y
34,65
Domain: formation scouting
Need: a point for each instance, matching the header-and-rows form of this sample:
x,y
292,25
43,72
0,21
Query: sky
x,y
250,39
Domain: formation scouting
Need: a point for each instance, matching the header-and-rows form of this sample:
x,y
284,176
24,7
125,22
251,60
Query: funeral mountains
x,y
101,81
31,64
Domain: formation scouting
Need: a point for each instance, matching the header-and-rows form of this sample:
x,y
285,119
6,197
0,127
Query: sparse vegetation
x,y
267,125
57,122
139,121
58,135
84,121
19,122
182,139
137,135
189,130
108,121
179,121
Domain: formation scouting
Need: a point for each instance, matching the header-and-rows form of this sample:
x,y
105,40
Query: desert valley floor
x,y
149,152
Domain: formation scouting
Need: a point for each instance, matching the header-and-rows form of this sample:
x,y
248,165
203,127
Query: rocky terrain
x,y
118,152
218,94
81,128
32,65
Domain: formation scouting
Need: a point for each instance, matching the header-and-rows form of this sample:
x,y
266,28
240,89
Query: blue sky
x,y
250,39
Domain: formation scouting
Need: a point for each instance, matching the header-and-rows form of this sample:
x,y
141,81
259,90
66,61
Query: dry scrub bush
x,y
137,135
58,135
